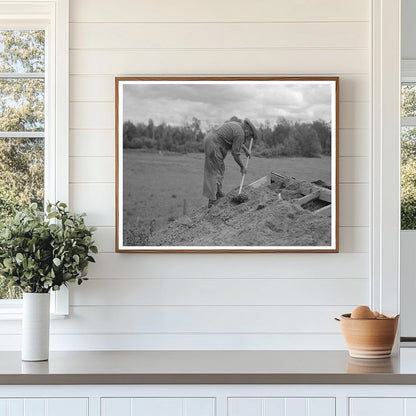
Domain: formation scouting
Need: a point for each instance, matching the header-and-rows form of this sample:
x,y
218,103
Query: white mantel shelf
x,y
207,367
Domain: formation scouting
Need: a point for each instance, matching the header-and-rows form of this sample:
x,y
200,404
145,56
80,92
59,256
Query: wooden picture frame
x,y
172,136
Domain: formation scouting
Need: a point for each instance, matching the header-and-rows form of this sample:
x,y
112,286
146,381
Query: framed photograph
x,y
226,164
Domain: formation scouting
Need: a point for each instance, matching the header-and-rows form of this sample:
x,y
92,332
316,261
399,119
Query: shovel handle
x,y
244,176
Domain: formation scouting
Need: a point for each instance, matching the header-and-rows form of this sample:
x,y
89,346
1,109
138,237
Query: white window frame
x,y
53,17
385,184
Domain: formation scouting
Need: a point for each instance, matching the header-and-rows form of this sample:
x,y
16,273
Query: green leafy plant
x,y
42,251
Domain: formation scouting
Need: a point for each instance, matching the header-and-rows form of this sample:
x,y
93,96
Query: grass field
x,y
161,188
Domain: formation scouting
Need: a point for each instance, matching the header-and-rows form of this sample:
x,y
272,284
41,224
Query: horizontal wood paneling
x,y
96,199
105,238
218,11
94,143
354,169
92,88
218,35
92,169
231,266
217,291
195,320
201,319
354,115
216,62
354,202
184,341
352,239
354,142
92,115
208,301
98,88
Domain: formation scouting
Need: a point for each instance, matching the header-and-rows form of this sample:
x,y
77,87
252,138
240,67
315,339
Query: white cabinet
x,y
281,406
44,407
157,406
208,400
392,406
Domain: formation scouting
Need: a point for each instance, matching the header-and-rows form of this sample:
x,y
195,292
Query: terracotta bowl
x,y
369,338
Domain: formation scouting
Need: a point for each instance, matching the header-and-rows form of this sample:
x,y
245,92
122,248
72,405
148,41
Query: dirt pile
x,y
268,218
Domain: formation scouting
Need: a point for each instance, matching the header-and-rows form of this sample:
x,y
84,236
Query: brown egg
x,y
362,312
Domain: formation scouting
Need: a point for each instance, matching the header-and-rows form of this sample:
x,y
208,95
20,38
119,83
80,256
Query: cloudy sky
x,y
215,103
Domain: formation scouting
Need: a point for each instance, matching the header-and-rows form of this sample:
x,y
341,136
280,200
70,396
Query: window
x,y
22,124
408,149
33,111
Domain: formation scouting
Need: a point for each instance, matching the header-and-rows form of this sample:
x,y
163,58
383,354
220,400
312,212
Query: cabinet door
x,y
44,407
272,406
377,406
155,406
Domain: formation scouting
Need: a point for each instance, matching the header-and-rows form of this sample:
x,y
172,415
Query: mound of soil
x,y
268,218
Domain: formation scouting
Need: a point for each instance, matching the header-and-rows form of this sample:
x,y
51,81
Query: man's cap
x,y
253,128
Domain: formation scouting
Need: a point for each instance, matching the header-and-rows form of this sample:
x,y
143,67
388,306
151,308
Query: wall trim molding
x,y
385,192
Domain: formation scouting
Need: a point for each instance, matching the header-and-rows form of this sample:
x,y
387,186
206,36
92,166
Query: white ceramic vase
x,y
35,326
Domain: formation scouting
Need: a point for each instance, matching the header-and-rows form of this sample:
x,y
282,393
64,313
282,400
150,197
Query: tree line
x,y
284,138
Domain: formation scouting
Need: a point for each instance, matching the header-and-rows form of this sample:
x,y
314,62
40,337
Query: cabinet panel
x,y
157,406
321,407
410,407
281,406
44,407
113,406
34,407
245,407
275,407
67,407
296,407
15,407
199,407
3,407
377,407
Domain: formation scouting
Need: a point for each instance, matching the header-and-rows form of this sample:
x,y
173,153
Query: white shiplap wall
x,y
165,301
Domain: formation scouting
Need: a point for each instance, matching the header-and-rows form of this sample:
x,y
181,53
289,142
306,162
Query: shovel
x,y
242,197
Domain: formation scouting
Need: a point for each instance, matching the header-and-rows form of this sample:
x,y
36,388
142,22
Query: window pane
x,y
408,178
21,182
22,109
408,144
21,173
22,51
22,105
408,100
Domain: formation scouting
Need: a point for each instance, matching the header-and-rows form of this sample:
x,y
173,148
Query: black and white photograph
x,y
236,164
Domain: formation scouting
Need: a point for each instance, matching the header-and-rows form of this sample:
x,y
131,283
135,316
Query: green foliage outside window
x,y
408,160
21,110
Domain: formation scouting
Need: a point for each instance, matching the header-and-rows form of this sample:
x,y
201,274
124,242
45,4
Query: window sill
x,y
11,309
17,316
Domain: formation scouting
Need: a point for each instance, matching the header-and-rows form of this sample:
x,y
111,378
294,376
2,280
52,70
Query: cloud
x,y
213,103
